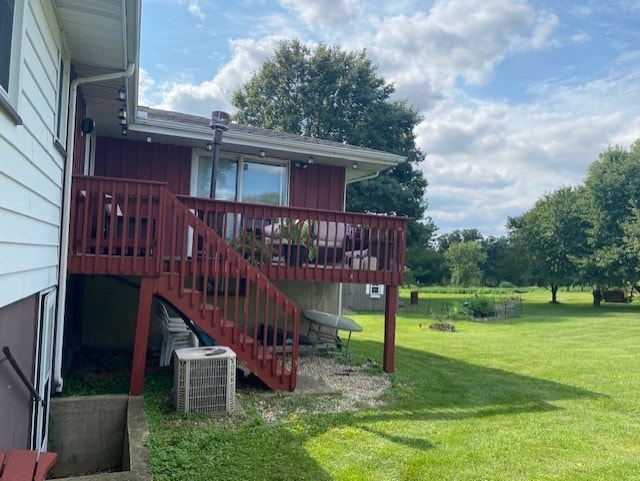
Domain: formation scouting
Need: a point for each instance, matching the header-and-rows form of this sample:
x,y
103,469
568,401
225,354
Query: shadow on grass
x,y
427,387
433,387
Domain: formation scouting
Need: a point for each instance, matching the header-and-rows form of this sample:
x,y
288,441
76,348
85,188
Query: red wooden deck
x,y
211,260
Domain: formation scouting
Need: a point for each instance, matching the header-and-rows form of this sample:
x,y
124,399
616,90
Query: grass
x,y
549,395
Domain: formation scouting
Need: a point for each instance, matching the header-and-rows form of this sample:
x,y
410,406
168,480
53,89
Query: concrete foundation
x,y
99,433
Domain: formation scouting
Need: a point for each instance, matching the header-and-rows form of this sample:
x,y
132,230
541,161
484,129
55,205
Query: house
x,y
106,209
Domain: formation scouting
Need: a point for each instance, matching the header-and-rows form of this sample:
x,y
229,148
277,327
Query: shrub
x,y
481,307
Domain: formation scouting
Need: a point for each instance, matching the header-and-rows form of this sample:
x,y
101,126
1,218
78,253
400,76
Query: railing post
x,y
390,307
147,287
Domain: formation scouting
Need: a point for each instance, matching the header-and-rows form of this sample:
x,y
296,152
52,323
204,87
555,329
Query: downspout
x,y
66,213
344,203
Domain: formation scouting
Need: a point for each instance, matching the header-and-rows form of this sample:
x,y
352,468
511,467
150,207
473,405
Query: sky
x,y
518,96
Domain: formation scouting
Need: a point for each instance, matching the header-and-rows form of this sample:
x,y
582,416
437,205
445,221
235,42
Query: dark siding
x,y
318,187
18,331
146,161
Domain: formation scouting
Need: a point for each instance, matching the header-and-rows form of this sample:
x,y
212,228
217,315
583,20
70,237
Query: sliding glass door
x,y
241,180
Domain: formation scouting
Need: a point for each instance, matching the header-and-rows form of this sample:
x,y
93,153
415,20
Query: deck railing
x,y
117,227
310,244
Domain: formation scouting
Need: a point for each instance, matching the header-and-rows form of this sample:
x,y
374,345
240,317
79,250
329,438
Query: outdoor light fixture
x,y
209,146
261,153
310,160
122,94
300,165
125,131
122,115
220,124
355,166
149,139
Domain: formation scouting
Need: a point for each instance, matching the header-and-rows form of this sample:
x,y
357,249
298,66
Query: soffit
x,y
103,37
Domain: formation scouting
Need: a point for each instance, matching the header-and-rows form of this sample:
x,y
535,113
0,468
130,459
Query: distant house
x,y
106,208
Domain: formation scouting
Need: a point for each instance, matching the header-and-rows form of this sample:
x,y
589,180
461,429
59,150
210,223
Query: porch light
x,y
122,115
219,123
262,153
355,166
310,160
125,131
209,146
149,139
122,94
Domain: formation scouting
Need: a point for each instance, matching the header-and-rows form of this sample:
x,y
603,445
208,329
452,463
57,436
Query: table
x,y
336,321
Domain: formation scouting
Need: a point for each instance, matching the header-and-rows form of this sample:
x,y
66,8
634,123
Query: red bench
x,y
23,465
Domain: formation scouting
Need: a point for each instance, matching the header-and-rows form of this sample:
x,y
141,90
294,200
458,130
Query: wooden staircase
x,y
130,228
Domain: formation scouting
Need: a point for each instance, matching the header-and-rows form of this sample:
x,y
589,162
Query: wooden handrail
x,y
209,277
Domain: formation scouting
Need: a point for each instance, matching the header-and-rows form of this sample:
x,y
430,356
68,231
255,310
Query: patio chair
x,y
175,334
330,237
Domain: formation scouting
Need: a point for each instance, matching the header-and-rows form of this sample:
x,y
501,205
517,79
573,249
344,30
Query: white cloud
x,y
200,99
325,14
195,10
456,39
488,161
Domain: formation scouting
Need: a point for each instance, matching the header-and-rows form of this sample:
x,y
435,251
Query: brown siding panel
x,y
127,159
318,187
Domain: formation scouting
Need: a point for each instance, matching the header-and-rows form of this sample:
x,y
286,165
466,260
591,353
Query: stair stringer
x,y
215,266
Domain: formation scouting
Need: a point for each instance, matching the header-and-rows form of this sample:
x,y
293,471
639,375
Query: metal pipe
x,y
16,367
220,124
66,213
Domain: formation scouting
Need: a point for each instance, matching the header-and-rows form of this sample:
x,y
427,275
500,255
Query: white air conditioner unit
x,y
204,379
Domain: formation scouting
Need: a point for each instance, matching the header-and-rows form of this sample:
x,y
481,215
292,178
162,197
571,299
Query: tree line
x,y
587,234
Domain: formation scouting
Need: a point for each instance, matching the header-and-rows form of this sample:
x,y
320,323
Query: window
x,y
264,183
43,369
375,291
7,8
242,180
226,179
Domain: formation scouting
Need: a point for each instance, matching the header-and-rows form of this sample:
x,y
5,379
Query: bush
x,y
481,307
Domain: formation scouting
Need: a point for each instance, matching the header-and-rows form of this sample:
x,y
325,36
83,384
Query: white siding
x,y
30,165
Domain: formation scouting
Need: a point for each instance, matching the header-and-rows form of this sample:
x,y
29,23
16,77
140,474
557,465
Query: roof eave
x,y
231,137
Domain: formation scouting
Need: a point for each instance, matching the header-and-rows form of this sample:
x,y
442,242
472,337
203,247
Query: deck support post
x,y
142,336
390,308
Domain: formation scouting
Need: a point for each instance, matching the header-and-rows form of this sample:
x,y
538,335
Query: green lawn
x,y
551,394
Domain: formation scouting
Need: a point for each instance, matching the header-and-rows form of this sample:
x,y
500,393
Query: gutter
x,y
66,214
366,177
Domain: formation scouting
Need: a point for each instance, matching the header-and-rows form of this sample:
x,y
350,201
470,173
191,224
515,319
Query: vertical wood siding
x,y
129,159
30,165
318,187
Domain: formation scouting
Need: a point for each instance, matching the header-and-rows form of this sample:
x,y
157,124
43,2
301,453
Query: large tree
x,y
612,193
330,94
552,235
465,259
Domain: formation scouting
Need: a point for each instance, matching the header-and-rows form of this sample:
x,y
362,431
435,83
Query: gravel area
x,y
349,388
